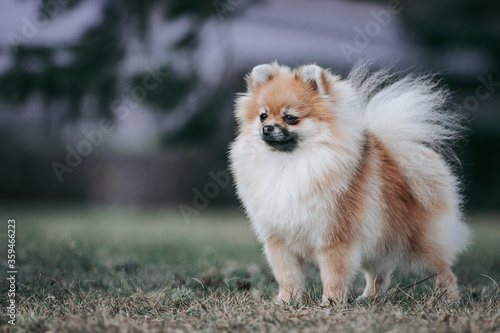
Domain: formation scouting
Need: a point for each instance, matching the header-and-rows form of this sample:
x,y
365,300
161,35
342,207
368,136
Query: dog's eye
x,y
263,116
289,119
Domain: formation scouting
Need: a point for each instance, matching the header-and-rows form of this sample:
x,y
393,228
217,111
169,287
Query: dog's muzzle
x,y
279,138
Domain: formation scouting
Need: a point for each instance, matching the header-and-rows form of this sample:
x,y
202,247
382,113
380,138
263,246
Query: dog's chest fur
x,y
289,196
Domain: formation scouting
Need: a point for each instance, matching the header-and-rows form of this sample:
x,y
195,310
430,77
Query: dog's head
x,y
288,109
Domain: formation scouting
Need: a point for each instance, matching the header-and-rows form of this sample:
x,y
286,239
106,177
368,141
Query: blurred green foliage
x,y
91,66
83,77
91,70
440,22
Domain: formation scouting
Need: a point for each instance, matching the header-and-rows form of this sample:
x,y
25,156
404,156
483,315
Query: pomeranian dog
x,y
348,173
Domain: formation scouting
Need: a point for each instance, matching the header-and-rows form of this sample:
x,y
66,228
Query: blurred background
x,y
129,103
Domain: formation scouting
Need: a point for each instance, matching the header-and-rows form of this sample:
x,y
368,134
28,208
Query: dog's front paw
x,y
361,298
327,301
287,299
279,302
283,299
325,304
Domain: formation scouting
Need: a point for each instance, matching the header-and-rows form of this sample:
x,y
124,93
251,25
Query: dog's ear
x,y
316,77
260,74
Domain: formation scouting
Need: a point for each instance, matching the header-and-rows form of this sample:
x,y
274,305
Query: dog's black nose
x,y
267,129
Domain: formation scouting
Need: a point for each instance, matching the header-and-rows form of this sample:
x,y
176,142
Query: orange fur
x,y
286,268
357,188
288,91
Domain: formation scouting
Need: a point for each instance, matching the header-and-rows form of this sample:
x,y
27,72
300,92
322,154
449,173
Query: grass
x,y
130,270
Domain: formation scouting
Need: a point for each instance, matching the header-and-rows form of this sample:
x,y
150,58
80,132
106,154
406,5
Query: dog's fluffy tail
x,y
408,114
405,110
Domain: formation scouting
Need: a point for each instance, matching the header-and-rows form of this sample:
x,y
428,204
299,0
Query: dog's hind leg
x,y
376,283
445,281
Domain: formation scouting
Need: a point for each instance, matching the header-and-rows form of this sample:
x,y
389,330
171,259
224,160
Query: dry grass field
x,y
132,270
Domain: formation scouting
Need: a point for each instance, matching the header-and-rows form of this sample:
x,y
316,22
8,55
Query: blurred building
x,y
159,147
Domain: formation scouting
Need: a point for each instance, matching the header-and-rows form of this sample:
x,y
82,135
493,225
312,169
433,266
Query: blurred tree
x,y
439,24
91,73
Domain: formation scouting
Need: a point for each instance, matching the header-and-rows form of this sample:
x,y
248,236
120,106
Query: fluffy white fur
x,y
277,188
